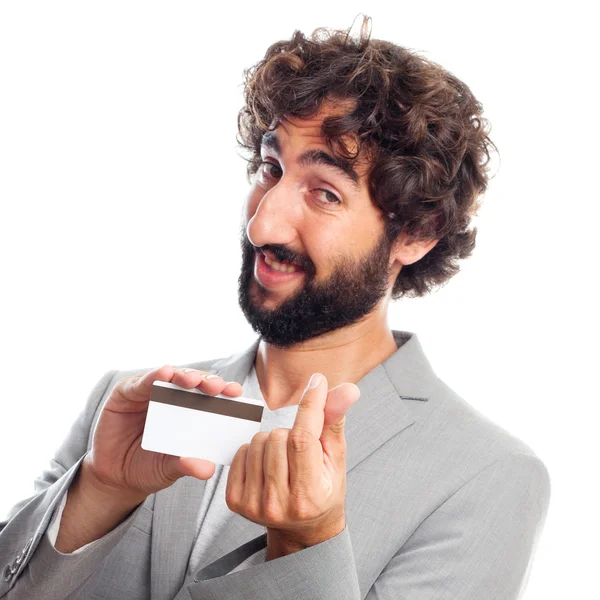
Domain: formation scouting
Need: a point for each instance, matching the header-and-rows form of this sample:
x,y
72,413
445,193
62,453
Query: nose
x,y
273,217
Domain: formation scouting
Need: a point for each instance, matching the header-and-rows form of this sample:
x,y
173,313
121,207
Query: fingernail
x,y
211,376
315,380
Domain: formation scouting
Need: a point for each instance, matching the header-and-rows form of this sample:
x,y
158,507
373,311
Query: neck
x,y
344,355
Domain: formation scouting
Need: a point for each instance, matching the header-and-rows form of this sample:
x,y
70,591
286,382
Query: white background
x,y
121,189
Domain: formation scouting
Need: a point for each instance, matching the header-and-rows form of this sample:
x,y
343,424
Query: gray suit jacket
x,y
441,503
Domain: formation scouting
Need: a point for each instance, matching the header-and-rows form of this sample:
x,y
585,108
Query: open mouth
x,y
272,275
281,267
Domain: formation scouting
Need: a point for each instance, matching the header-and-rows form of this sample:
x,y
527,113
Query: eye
x,y
269,166
331,198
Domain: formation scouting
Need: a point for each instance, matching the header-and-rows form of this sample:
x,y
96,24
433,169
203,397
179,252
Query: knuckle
x,y
302,507
252,510
182,371
127,387
231,500
279,434
308,399
337,427
259,437
273,509
126,382
299,440
142,374
205,374
241,450
238,456
306,406
253,455
122,391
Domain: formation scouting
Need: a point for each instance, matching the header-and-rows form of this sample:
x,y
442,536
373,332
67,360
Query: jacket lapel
x,y
392,394
391,397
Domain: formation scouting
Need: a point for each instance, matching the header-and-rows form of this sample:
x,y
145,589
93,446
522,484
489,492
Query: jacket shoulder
x,y
461,430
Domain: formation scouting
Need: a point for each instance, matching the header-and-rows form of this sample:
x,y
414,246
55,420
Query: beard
x,y
348,295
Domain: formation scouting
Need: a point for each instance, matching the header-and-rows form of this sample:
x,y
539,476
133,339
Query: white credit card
x,y
186,422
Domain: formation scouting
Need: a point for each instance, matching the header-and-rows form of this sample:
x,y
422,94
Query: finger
x,y
206,382
305,455
339,400
275,467
310,416
305,463
253,486
139,387
233,388
333,438
194,467
236,478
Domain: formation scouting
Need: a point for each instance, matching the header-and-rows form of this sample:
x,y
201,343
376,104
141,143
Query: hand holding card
x,y
117,460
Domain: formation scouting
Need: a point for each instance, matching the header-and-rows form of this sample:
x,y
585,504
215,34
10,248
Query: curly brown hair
x,y
420,126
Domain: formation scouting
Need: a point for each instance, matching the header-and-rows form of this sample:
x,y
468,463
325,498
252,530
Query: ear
x,y
409,251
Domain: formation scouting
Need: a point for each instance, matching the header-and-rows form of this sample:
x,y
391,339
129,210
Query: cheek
x,y
324,251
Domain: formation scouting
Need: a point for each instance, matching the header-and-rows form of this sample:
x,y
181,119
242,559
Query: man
x,y
366,166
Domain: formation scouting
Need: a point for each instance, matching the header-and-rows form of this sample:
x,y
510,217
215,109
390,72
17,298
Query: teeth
x,y
277,266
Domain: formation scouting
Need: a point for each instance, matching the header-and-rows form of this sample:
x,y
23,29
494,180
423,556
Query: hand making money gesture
x,y
293,481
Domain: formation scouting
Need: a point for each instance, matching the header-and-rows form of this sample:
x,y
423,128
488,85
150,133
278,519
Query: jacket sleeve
x,y
326,570
54,528
31,567
479,544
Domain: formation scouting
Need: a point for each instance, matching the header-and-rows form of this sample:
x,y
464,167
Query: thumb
x,y
176,467
339,400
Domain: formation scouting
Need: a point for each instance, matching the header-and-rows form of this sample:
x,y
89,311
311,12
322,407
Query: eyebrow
x,y
315,157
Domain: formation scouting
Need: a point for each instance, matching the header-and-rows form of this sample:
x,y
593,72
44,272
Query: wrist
x,y
107,497
91,511
281,543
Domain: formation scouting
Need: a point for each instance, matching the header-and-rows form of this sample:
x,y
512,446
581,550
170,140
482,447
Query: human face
x,y
315,215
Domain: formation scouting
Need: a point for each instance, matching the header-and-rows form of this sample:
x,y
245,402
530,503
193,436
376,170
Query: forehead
x,y
310,127
303,132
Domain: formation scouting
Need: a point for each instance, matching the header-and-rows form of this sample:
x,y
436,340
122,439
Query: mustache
x,y
282,254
